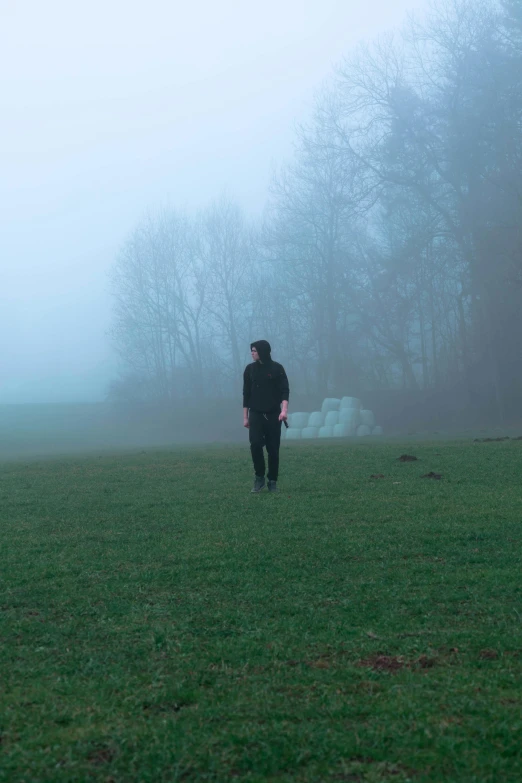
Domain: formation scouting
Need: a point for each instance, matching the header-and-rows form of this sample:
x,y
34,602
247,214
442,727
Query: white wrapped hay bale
x,y
309,432
343,431
330,404
351,417
331,419
299,420
325,432
368,418
377,431
363,429
316,419
293,434
351,402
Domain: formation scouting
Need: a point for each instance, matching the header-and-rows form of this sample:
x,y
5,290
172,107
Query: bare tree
x,y
313,207
159,294
224,249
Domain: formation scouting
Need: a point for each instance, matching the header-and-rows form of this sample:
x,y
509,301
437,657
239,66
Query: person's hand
x,y
246,423
283,416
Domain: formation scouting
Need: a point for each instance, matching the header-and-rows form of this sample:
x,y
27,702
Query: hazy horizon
x,y
113,111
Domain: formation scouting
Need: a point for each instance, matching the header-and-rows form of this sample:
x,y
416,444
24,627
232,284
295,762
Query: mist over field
x,y
182,184
342,180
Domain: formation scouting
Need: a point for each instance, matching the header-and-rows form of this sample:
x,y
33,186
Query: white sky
x,y
112,108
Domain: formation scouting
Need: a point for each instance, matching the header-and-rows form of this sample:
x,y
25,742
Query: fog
x,y
341,179
113,109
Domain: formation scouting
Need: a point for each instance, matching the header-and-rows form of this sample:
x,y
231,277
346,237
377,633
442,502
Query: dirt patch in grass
x,y
156,709
432,475
394,663
425,662
385,663
488,655
407,458
101,754
494,440
320,664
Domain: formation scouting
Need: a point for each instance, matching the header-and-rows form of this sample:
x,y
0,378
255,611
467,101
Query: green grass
x,y
159,623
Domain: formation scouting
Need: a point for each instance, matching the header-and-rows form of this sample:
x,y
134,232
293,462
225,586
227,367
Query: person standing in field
x,y
265,407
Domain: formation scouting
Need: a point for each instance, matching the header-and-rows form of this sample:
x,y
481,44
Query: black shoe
x,y
259,484
272,486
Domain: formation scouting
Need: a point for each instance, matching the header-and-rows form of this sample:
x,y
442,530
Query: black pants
x,y
265,430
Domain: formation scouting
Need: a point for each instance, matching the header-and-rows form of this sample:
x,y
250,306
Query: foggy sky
x,y
113,108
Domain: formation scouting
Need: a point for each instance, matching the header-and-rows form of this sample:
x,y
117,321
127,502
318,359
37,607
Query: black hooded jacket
x,y
265,384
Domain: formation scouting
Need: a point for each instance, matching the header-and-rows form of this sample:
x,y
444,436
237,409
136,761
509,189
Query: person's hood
x,y
263,348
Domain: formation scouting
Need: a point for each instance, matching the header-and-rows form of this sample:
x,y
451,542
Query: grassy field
x,y
159,623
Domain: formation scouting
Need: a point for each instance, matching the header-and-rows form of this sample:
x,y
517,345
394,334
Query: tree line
x,y
390,251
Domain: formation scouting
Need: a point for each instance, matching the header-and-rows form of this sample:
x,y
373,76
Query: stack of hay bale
x,y
338,418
